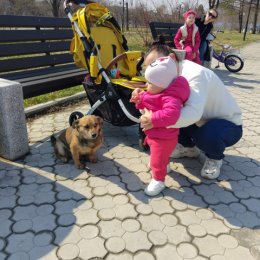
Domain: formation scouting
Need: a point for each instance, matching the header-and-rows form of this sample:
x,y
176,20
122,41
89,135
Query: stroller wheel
x,y
74,116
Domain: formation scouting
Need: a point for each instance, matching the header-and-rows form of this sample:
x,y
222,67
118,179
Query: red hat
x,y
189,13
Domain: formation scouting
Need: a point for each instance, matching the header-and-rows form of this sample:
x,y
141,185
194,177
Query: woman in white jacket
x,y
210,119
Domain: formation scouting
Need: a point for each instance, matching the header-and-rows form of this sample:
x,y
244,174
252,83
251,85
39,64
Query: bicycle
x,y
231,58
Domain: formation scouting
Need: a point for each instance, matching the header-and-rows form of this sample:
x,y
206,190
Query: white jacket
x,y
184,33
209,98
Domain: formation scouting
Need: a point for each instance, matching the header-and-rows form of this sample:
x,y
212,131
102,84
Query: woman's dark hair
x,y
160,47
215,10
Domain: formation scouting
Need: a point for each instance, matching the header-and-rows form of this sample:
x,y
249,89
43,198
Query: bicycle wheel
x,y
233,63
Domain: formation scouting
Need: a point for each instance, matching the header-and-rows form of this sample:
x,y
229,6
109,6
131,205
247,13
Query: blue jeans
x,y
203,49
212,138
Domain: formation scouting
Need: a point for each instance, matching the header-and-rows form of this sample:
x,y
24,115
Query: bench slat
x,y
23,76
33,48
34,35
34,62
52,83
168,30
165,24
33,21
55,75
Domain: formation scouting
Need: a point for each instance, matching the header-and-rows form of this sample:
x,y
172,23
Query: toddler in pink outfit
x,y
188,37
165,95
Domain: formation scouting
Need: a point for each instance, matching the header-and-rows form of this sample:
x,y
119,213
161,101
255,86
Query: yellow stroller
x,y
112,71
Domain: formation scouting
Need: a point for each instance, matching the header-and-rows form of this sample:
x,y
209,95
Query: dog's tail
x,y
53,140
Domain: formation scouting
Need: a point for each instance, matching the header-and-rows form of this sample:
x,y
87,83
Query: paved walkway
x,y
50,210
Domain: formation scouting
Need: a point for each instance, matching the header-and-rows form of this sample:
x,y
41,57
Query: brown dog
x,y
83,138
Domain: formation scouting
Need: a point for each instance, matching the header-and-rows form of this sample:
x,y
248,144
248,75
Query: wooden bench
x,y
34,51
168,30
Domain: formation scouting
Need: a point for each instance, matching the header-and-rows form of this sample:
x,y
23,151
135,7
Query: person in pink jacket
x,y
165,95
188,38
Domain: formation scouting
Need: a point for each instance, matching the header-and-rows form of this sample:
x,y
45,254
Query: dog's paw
x,y
64,159
87,169
81,166
93,159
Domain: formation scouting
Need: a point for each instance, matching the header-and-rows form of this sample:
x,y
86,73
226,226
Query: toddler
x,y
165,95
188,37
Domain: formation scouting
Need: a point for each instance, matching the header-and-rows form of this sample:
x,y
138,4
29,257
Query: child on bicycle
x,y
165,95
188,38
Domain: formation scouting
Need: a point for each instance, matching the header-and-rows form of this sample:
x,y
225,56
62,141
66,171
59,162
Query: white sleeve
x,y
192,110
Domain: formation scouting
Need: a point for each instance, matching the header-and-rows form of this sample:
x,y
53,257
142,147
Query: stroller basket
x,y
110,110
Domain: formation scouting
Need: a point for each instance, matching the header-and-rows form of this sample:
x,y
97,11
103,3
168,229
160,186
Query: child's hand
x,y
135,96
194,55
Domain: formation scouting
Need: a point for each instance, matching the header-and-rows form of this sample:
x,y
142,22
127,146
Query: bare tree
x,y
5,7
240,15
200,10
213,4
141,18
55,6
247,20
25,7
256,16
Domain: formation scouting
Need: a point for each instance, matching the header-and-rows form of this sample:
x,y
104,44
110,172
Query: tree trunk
x,y
240,16
256,16
248,15
55,8
213,4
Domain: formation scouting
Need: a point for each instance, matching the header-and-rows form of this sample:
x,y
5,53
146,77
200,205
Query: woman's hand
x,y
146,120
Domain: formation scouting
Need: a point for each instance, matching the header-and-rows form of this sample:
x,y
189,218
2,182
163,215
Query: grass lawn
x,y
235,39
52,96
136,41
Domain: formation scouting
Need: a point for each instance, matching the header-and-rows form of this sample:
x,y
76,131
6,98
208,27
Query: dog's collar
x,y
86,142
83,141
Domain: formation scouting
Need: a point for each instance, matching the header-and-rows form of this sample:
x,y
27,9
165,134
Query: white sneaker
x,y
154,188
211,168
180,151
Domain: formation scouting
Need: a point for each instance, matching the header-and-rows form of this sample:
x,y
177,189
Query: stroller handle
x,y
68,3
72,3
118,58
71,6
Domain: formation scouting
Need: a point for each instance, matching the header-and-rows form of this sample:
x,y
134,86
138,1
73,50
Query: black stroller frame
x,y
107,94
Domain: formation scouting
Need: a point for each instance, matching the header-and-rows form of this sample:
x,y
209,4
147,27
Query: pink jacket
x,y
192,38
166,107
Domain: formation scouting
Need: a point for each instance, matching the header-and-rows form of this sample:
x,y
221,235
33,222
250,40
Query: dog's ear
x,y
100,120
75,124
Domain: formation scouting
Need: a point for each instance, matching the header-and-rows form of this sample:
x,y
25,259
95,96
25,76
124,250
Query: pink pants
x,y
160,151
189,55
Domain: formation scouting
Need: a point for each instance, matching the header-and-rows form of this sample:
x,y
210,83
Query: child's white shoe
x,y
154,188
